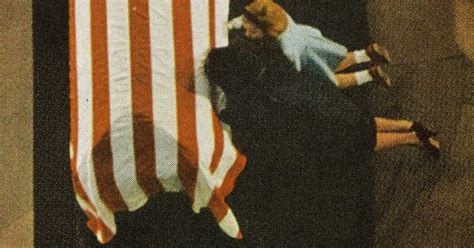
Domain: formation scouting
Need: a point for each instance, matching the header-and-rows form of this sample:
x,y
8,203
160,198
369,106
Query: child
x,y
308,50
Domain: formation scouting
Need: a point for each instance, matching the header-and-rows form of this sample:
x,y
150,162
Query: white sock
x,y
235,23
361,56
363,77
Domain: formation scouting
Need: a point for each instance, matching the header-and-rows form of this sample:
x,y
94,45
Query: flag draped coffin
x,y
141,119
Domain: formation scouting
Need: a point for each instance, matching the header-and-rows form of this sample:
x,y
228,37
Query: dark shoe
x,y
379,76
424,135
417,127
378,54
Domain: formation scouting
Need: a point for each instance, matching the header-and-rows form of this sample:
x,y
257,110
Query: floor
x,y
16,115
423,202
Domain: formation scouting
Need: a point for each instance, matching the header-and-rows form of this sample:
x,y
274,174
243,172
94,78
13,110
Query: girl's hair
x,y
267,15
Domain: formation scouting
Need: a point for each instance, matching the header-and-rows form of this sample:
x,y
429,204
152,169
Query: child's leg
x,y
374,53
346,80
348,61
373,74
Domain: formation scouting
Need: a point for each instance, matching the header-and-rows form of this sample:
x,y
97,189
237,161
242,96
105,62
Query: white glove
x,y
235,23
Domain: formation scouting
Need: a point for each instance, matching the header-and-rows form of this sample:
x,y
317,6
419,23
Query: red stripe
x,y
218,136
212,23
98,226
78,188
231,176
218,143
218,206
142,96
186,109
102,152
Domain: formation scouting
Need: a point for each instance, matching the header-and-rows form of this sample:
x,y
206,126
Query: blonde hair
x,y
268,15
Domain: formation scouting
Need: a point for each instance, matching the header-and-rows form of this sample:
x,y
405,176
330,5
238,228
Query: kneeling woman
x,y
309,178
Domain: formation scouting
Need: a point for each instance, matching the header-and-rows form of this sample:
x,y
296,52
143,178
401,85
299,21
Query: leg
x,y
348,61
391,140
346,80
390,125
373,74
374,53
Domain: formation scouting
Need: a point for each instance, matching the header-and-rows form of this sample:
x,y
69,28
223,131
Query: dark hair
x,y
244,60
231,65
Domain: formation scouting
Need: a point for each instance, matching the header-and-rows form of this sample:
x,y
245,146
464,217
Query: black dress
x,y
309,179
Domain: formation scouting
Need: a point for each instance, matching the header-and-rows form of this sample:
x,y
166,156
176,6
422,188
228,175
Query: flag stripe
x,y
221,16
184,63
219,143
78,188
212,23
121,123
230,226
231,176
102,154
85,163
84,96
218,206
205,136
142,121
84,102
229,157
103,232
142,94
164,94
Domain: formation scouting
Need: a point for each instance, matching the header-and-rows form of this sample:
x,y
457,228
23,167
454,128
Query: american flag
x,y
141,119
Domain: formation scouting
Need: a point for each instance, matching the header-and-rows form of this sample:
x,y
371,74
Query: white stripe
x,y
103,212
84,98
222,14
203,190
221,38
204,125
108,218
201,45
85,163
121,104
164,94
71,151
229,224
229,156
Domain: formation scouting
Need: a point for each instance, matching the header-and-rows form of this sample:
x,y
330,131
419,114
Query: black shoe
x,y
420,128
378,54
379,76
424,135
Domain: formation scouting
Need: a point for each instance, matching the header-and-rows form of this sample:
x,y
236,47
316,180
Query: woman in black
x,y
309,179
